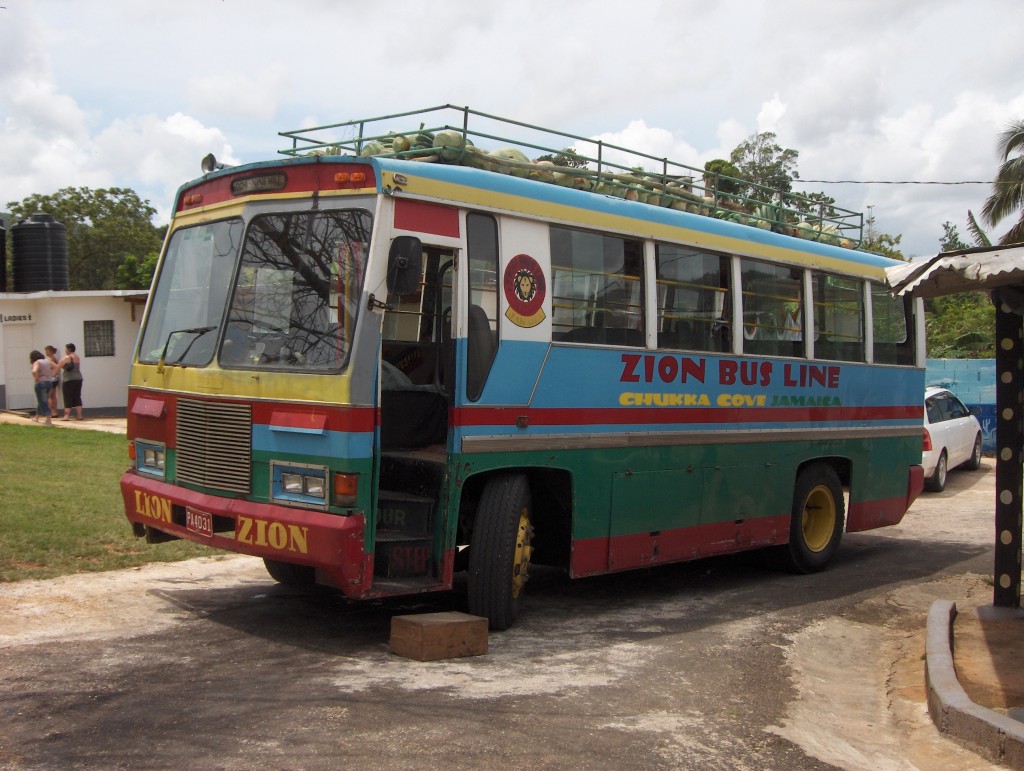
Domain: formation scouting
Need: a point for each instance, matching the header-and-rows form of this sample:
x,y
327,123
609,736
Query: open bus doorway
x,y
416,386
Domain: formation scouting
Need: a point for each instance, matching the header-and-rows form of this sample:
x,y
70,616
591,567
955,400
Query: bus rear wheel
x,y
816,523
289,574
499,557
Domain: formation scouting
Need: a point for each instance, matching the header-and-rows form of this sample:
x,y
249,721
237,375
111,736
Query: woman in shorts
x,y
71,372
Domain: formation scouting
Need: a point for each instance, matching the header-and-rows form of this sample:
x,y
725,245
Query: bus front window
x,y
296,297
190,294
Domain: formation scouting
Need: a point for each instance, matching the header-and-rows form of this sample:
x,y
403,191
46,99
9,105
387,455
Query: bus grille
x,y
214,445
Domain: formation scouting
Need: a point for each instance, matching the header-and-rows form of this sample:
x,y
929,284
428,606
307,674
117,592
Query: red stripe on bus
x,y
867,515
586,416
304,177
351,419
594,556
423,217
154,416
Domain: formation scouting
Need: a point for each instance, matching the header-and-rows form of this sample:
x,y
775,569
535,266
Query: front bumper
x,y
330,543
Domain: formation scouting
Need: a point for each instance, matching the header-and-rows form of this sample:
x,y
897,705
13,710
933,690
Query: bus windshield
x,y
191,293
296,297
298,277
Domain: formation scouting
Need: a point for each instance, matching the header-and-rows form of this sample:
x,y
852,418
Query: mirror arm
x,y
372,302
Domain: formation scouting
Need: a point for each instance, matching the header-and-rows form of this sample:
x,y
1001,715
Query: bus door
x,y
415,392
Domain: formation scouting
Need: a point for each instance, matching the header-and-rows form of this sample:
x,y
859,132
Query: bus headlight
x,y
150,458
296,484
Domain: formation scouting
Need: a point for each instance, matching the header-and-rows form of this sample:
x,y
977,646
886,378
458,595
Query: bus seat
x,y
480,350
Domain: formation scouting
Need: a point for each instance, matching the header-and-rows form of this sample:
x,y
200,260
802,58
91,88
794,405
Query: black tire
x,y
974,462
289,574
936,483
816,522
499,558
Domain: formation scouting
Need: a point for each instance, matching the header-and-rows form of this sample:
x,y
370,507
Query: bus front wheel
x,y
816,524
499,557
288,574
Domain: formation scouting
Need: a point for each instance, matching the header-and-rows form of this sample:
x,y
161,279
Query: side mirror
x,y
405,265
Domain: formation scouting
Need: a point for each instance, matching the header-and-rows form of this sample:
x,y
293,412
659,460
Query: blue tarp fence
x,y
974,382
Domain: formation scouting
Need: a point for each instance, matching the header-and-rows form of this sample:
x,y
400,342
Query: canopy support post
x,y
1009,440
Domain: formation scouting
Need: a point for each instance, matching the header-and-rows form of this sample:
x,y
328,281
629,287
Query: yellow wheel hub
x,y
819,518
521,558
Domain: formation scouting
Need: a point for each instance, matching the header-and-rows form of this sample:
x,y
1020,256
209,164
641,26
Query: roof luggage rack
x,y
445,136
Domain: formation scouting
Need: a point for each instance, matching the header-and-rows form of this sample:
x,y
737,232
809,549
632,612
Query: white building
x,y
103,325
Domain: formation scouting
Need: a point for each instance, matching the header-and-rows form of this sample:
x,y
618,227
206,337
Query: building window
x,y
99,338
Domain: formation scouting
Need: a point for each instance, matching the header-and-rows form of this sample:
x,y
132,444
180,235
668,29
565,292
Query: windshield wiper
x,y
196,331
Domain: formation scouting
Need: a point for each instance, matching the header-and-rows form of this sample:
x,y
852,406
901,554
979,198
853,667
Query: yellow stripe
x,y
456,193
213,381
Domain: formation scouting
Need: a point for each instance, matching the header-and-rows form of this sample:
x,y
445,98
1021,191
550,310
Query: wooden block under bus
x,y
436,636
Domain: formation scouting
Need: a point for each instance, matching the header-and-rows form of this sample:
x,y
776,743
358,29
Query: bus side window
x,y
891,320
598,285
693,299
772,297
838,318
482,327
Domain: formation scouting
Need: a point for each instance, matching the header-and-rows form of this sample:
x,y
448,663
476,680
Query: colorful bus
x,y
380,360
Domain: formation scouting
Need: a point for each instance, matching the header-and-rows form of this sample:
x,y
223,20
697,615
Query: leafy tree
x,y
813,204
104,228
951,238
567,157
726,183
135,272
951,241
881,243
884,244
962,325
1008,189
762,161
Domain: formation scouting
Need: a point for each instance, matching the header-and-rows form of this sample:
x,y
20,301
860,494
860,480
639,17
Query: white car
x,y
952,437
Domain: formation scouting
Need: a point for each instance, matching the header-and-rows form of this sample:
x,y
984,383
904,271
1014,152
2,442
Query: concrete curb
x,y
989,733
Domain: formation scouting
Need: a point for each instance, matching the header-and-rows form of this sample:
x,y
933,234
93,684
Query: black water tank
x,y
39,254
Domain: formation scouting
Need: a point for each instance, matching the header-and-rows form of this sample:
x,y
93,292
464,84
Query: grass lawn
x,y
61,509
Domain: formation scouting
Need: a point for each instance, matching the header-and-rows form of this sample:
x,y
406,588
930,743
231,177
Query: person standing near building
x,y
51,356
42,375
71,373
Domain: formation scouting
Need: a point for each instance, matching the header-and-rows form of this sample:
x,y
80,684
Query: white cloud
x,y
156,155
134,94
655,142
771,114
240,93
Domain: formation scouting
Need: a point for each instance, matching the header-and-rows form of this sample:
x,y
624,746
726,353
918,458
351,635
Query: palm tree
x,y
1008,193
980,236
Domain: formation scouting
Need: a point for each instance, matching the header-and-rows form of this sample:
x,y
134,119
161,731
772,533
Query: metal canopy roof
x,y
963,271
1000,269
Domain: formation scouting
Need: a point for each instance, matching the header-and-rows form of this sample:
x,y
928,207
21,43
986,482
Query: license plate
x,y
199,522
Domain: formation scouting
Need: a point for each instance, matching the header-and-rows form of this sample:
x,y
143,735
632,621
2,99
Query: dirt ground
x,y
716,664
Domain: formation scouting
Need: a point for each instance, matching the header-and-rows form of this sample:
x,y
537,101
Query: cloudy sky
x,y
133,93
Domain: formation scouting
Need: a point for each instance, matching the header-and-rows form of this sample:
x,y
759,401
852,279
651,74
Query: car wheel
x,y
936,483
974,462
